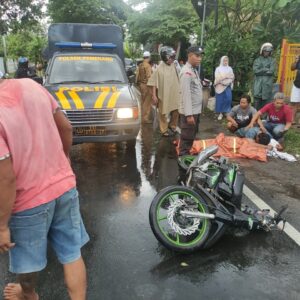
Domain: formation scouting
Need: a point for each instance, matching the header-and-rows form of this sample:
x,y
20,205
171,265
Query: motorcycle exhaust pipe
x,y
195,214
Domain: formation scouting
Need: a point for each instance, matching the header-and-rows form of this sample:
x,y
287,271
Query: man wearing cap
x,y
190,105
144,73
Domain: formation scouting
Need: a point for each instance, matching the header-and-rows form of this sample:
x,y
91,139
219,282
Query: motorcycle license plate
x,y
89,131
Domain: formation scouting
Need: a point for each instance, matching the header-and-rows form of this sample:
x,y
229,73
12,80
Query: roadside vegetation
x,y
292,141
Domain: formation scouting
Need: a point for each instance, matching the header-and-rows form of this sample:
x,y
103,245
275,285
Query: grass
x,y
292,141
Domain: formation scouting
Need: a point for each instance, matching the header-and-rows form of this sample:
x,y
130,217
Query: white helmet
x,y
267,47
146,54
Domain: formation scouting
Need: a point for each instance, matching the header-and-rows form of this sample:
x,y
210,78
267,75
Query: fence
x,y
285,75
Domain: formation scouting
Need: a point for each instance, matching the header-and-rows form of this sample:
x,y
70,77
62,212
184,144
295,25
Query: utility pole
x,y
5,53
200,3
216,14
216,27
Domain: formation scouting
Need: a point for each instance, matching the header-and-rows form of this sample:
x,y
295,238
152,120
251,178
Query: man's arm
x,y
294,64
185,85
65,130
258,69
254,119
231,119
154,96
272,68
289,118
261,125
7,200
287,126
232,115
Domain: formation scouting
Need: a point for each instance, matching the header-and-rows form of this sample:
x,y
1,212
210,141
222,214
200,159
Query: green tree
x,y
280,21
88,11
244,25
17,14
26,43
167,22
132,50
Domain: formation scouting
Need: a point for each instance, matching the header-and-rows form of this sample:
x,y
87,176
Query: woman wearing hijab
x,y
224,78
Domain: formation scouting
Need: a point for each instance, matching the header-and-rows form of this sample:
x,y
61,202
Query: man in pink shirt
x,y
279,117
38,201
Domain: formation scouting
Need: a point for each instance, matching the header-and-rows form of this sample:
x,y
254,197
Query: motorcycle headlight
x,y
125,113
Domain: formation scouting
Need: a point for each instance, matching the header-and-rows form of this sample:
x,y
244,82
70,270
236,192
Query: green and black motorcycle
x,y
195,214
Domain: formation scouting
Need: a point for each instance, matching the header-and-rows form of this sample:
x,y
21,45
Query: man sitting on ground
x,y
241,116
279,117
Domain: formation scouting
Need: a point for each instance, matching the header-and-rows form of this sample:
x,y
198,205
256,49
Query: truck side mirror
x,y
131,79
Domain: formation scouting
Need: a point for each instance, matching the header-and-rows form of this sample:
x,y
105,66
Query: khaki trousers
x,y
146,101
163,122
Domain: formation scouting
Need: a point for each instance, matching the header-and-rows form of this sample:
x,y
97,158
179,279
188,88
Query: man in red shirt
x,y
39,202
279,117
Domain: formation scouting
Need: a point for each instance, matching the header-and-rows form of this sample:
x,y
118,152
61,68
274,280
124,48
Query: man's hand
x,y
263,130
154,100
190,120
5,242
234,124
249,126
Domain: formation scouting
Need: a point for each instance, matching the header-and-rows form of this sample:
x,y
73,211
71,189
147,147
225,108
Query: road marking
x,y
291,231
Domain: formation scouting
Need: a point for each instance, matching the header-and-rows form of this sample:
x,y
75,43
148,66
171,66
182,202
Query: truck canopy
x,y
102,38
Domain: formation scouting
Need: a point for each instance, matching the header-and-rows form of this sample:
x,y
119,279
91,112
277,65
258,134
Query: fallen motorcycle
x,y
195,214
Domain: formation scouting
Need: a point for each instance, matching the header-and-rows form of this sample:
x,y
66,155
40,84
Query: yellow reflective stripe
x,y
234,145
113,100
76,99
204,145
100,100
63,100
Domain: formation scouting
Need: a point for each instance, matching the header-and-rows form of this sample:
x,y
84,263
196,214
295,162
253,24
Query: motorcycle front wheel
x,y
175,231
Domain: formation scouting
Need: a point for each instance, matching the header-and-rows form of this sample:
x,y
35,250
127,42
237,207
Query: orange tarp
x,y
232,147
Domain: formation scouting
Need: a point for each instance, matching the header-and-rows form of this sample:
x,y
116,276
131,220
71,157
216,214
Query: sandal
x,y
173,130
166,134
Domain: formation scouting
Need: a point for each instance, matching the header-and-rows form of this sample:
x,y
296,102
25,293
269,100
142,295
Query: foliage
x,y
292,141
281,21
88,11
132,50
241,50
166,22
26,43
17,14
243,27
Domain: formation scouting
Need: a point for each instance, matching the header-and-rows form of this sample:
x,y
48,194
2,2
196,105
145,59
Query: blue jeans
x,y
57,222
274,130
247,133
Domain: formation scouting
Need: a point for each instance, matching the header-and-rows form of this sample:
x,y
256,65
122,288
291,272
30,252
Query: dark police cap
x,y
196,50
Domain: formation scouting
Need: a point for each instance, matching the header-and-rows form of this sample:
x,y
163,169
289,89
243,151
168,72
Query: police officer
x,y
190,105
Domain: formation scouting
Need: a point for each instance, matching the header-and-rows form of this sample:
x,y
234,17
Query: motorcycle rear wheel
x,y
174,231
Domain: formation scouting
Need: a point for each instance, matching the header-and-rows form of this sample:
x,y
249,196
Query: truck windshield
x,y
93,69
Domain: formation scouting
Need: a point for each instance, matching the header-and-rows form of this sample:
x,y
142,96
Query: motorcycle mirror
x,y
203,155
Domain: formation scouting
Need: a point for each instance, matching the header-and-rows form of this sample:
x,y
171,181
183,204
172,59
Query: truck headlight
x,y
125,113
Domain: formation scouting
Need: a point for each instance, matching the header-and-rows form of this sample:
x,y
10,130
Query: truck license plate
x,y
89,130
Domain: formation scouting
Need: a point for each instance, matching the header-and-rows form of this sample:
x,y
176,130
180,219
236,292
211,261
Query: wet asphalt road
x,y
125,261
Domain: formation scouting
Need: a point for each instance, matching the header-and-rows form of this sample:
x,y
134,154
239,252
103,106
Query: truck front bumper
x,y
110,133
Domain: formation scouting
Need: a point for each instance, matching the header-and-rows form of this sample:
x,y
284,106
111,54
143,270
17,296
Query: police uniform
x,y
190,103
